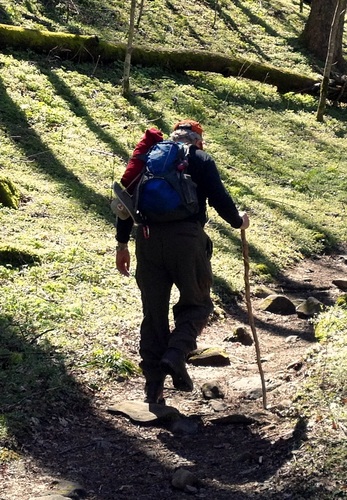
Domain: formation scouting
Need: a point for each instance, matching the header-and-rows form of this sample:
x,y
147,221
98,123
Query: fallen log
x,y
91,48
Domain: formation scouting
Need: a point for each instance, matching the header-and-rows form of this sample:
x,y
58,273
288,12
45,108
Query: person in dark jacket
x,y
176,253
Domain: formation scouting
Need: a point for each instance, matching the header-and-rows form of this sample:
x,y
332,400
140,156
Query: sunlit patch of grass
x,y
7,455
342,300
113,362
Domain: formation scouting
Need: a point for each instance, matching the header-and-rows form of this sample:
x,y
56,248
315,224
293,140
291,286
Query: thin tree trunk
x,y
127,62
140,14
215,13
340,7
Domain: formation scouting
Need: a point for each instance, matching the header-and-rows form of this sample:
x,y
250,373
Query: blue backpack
x,y
165,192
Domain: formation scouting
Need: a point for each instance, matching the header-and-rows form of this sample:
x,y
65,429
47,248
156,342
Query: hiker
x,y
176,253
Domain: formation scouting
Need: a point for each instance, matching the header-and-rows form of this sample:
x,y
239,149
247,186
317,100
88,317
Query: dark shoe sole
x,y
180,378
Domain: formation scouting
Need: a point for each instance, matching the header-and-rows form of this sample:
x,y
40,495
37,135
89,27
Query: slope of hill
x,y
261,30
69,323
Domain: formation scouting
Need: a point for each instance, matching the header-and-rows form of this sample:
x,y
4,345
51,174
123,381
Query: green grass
x,y
266,31
322,400
66,133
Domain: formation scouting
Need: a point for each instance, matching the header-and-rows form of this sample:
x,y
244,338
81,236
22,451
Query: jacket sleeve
x,y
216,194
123,229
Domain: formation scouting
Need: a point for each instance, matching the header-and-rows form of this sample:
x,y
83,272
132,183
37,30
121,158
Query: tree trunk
x,y
140,14
317,31
127,62
339,12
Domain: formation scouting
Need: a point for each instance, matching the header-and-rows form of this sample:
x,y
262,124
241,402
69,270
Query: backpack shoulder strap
x,y
186,149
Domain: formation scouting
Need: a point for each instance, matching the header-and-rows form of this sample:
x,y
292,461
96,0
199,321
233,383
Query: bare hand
x,y
245,218
123,261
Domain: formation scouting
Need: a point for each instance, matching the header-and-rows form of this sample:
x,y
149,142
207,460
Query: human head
x,y
189,132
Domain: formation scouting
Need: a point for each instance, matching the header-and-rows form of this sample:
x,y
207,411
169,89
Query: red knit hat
x,y
190,125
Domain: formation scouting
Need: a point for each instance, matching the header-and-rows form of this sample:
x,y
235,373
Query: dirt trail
x,y
115,459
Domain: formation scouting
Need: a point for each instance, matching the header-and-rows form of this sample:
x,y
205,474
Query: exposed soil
x,y
115,458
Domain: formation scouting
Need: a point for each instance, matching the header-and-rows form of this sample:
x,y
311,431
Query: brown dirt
x,y
113,458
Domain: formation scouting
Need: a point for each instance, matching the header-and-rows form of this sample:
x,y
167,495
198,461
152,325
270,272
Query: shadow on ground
x,y
54,424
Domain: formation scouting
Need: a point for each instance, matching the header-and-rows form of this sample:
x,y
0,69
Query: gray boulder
x,y
278,304
309,308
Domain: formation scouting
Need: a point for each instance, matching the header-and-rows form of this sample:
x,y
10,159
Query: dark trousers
x,y
175,253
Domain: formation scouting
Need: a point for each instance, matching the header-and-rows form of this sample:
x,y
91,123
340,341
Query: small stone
x,y
185,426
218,406
183,478
291,339
210,356
341,284
191,489
295,365
309,308
212,390
241,335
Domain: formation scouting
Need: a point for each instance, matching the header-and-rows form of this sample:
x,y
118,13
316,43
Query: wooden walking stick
x,y
250,312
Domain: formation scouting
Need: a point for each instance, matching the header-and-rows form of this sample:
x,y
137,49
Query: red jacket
x,y
135,164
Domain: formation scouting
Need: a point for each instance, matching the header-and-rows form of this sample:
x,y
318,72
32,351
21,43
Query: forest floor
x,y
234,448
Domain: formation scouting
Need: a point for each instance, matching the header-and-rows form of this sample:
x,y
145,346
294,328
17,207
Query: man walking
x,y
176,253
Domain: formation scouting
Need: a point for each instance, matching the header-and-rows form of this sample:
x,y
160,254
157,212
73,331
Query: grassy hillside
x,y
261,30
66,133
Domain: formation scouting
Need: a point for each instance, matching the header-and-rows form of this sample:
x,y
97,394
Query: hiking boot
x,y
173,363
154,392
